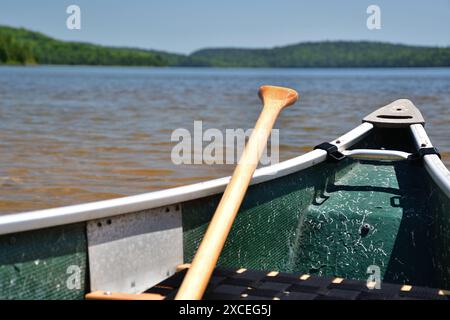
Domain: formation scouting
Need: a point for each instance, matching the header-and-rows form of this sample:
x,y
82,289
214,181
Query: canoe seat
x,y
243,284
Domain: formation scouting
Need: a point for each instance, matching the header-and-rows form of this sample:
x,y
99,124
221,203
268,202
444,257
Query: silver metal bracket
x,y
132,252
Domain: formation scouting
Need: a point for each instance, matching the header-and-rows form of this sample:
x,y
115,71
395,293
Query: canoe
x,y
376,198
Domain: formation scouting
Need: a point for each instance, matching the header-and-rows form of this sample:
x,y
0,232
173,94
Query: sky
x,y
184,26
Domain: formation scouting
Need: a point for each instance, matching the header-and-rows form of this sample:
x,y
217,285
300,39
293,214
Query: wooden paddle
x,y
194,284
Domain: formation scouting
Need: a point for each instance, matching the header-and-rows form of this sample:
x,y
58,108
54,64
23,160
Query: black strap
x,y
332,151
422,152
425,151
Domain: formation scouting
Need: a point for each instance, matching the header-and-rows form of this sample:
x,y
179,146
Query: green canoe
x,y
377,197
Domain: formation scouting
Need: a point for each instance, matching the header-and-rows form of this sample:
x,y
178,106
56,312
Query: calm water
x,y
75,134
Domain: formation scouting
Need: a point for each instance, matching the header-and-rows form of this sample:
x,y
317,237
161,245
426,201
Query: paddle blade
x,y
277,96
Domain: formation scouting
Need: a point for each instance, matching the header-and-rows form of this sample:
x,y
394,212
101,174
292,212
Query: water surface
x,y
75,134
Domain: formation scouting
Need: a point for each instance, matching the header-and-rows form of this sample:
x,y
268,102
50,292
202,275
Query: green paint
x,y
311,222
265,233
439,205
36,264
397,241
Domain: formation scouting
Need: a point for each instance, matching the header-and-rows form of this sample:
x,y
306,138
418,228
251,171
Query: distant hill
x,y
328,54
21,46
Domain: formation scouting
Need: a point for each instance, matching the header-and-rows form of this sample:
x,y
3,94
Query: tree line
x,y
20,46
329,54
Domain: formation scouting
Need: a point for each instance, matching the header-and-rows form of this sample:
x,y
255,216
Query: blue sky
x,y
184,26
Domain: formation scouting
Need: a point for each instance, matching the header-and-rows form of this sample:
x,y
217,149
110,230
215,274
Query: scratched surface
x,y
266,227
311,222
44,264
439,205
388,201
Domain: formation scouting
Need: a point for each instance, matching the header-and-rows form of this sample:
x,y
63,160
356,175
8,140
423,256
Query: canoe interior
x,y
310,221
307,222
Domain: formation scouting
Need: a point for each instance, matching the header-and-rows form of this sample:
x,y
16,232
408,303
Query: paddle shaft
x,y
208,253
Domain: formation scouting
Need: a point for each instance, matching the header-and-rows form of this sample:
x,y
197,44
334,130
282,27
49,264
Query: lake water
x,y
75,134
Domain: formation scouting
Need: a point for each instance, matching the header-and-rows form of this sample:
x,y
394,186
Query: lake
x,y
76,134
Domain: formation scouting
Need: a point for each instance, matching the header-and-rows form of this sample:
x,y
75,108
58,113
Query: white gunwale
x,y
32,220
433,164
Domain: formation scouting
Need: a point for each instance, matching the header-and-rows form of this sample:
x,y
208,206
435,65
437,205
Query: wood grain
x,y
194,284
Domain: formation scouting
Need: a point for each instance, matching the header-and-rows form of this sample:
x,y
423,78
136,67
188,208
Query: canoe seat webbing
x,y
242,284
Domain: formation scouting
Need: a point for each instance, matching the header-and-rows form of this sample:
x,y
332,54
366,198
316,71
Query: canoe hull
x,y
305,215
285,224
49,263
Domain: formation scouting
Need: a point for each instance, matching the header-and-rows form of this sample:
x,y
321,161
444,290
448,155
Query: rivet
x,y
241,270
305,277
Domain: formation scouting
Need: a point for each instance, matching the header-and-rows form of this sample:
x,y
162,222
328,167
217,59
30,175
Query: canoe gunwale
x,y
32,220
433,164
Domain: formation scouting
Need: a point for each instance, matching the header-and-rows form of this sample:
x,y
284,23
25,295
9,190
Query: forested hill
x,y
328,54
20,46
